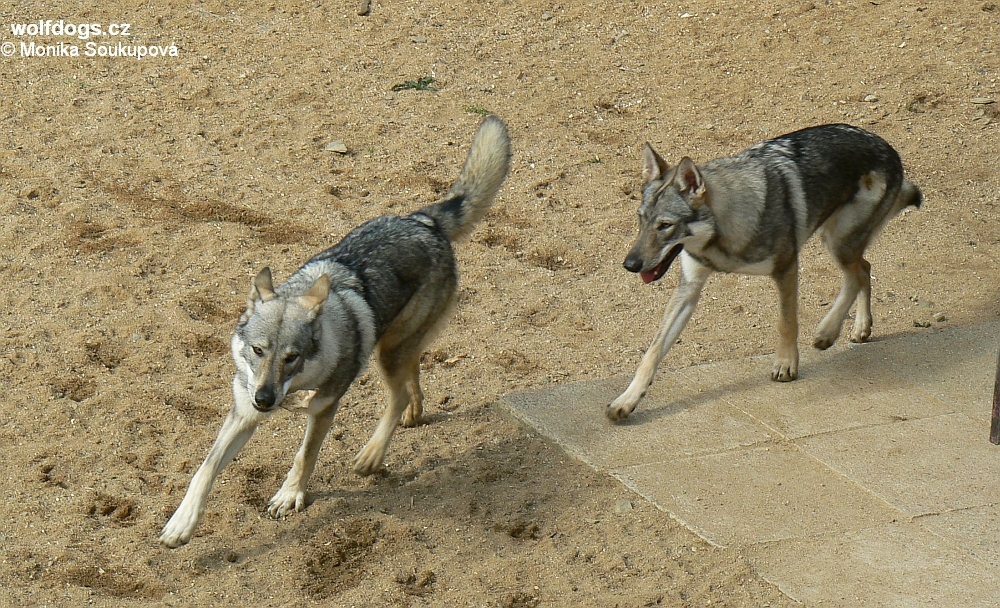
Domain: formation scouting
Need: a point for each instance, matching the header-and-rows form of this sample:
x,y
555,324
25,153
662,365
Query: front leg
x,y
681,306
237,429
786,359
292,495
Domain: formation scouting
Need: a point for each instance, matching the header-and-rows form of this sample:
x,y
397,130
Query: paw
x,y
286,501
862,331
861,336
620,409
824,342
178,530
785,370
412,416
368,460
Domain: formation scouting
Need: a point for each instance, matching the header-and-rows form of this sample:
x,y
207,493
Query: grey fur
x,y
751,214
385,288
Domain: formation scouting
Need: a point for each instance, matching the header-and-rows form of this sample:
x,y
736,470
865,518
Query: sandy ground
x,y
139,197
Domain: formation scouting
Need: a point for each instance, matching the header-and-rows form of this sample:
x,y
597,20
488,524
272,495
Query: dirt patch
x,y
113,583
334,561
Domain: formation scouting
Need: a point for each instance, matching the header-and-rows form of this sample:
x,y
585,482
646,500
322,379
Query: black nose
x,y
264,398
633,263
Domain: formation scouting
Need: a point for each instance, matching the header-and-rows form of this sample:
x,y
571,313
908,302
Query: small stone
x,y
546,16
917,323
939,317
982,101
29,192
871,98
826,40
418,39
336,146
623,506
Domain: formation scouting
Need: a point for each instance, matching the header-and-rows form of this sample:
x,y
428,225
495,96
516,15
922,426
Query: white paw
x,y
286,501
620,408
179,529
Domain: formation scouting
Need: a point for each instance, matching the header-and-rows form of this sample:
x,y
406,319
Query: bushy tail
x,y
910,194
472,193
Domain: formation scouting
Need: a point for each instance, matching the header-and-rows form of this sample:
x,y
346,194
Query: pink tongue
x,y
649,276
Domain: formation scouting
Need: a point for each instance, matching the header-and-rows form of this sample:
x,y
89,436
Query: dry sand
x,y
139,197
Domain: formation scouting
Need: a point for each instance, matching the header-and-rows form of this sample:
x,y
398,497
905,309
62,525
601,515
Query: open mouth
x,y
648,276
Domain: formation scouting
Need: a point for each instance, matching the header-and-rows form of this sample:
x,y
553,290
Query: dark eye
x,y
664,225
258,351
290,360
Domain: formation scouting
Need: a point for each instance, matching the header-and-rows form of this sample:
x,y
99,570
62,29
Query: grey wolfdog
x,y
751,214
384,288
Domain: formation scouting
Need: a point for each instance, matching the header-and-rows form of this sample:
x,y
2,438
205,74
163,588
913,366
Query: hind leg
x,y
856,285
399,363
415,411
846,235
399,368
863,313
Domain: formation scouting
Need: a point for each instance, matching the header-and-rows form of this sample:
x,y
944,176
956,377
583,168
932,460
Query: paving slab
x,y
897,565
956,365
870,481
767,493
975,530
678,420
854,393
919,466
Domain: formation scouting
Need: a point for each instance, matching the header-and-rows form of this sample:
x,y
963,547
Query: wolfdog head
x,y
275,337
671,199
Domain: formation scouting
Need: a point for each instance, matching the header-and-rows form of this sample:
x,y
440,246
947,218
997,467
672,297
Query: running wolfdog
x,y
385,288
751,214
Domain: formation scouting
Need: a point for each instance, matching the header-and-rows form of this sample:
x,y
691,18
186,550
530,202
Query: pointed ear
x,y
653,165
260,290
263,288
690,183
313,299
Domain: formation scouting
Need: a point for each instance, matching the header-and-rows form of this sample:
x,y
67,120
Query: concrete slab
x,y
919,466
976,531
898,565
956,365
756,495
676,419
870,481
854,393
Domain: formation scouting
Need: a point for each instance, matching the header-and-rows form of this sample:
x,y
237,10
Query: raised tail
x,y
472,193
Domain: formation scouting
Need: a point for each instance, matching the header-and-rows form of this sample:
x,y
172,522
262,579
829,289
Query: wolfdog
x,y
385,288
751,214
